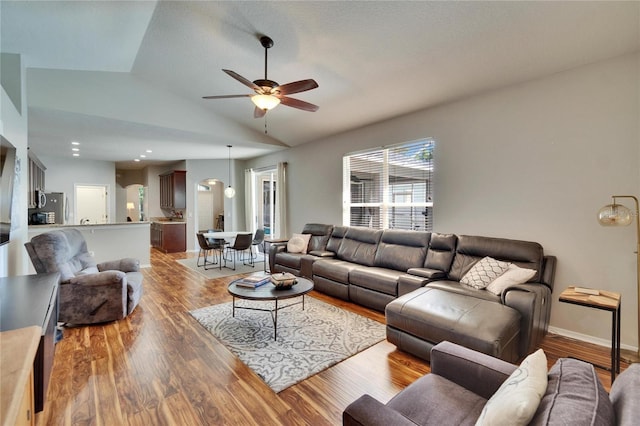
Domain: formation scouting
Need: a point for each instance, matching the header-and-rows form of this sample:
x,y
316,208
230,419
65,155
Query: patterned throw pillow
x,y
483,272
517,399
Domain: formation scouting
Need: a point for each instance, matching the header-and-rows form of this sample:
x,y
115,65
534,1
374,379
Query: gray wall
x,y
534,161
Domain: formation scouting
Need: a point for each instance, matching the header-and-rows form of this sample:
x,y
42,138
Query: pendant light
x,y
229,192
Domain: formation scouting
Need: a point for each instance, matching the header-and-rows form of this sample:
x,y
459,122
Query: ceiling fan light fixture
x,y
265,102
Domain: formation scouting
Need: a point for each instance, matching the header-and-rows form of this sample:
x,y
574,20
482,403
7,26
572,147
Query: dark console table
x,y
33,300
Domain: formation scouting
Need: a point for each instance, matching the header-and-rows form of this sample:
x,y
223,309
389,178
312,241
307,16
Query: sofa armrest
x,y
127,264
533,301
431,274
322,253
368,411
480,373
110,277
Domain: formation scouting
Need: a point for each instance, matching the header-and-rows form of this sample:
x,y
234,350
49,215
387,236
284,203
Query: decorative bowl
x,y
283,281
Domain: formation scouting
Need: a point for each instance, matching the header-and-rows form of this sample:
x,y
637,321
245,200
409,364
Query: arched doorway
x,y
210,204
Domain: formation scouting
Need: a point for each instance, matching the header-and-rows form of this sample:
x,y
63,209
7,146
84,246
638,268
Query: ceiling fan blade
x,y
296,87
226,96
297,103
259,113
242,80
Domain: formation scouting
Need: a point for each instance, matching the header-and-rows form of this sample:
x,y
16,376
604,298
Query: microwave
x,y
38,218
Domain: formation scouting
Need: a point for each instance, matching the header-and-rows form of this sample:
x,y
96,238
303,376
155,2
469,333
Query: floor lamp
x,y
618,215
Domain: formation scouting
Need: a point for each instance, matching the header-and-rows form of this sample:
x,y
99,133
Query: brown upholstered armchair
x,y
90,292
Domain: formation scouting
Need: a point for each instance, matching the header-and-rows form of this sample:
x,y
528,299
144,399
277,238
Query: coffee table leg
x,y
234,307
275,323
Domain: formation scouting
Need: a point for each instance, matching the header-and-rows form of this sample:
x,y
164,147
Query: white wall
x,y
534,161
62,174
13,126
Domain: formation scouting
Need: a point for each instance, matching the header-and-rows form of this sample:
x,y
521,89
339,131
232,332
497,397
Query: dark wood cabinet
x,y
33,300
36,179
173,190
170,237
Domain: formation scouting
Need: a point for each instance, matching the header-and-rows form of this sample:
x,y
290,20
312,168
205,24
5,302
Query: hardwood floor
x,y
160,367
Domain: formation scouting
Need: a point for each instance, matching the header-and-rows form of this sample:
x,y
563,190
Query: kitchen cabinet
x,y
32,300
170,237
173,190
36,179
19,349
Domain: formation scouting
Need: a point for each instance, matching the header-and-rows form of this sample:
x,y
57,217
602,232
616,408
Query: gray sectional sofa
x,y
414,276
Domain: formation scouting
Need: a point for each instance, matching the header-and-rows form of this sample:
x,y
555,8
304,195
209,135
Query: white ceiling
x,y
121,77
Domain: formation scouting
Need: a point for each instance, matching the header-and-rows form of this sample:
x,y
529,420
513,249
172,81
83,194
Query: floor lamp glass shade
x,y
615,215
229,192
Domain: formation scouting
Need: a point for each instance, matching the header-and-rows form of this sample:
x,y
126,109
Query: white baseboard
x,y
587,338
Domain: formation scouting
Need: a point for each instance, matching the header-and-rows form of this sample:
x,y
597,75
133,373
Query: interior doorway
x,y
91,204
210,204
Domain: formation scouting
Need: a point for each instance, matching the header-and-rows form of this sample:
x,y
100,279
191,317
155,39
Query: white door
x,y
91,204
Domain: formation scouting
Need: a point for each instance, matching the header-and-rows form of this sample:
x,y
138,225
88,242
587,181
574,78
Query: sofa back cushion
x,y
64,251
359,245
624,395
470,249
401,250
574,396
442,248
320,234
337,235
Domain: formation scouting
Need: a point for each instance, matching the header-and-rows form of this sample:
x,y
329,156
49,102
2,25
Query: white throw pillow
x,y
298,243
483,272
517,399
514,275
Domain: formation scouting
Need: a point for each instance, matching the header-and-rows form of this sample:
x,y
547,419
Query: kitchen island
x,y
109,241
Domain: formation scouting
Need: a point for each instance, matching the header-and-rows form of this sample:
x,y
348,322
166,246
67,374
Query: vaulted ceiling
x,y
123,77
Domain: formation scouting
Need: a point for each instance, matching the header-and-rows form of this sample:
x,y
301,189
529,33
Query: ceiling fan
x,y
268,93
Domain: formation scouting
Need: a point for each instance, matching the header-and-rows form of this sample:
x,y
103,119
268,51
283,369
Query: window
x,y
390,187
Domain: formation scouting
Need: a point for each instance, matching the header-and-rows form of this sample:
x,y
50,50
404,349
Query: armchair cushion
x,y
126,264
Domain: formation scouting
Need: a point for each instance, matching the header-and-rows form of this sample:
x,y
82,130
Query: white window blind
x,y
390,187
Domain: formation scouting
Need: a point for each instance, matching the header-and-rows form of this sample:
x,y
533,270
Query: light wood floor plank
x,y
160,367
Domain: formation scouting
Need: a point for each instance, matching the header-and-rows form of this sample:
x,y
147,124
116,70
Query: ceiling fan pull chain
x,y
265,124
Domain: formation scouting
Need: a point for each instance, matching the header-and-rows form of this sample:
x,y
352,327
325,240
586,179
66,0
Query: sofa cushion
x,y
624,395
320,234
454,405
470,249
574,395
401,249
290,260
484,272
442,248
381,280
512,276
359,245
517,399
333,269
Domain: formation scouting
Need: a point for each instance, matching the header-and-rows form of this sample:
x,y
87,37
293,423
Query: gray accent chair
x,y
90,292
462,380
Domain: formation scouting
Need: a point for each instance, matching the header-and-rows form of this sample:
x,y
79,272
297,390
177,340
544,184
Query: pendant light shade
x,y
229,192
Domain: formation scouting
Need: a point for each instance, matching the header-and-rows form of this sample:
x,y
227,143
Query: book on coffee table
x,y
253,281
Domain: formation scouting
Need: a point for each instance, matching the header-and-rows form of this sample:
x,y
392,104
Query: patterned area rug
x,y
309,340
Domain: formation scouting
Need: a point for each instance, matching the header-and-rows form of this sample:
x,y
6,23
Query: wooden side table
x,y
606,301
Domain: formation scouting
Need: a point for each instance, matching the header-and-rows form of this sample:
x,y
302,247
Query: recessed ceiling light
x,y
75,149
143,156
149,151
75,143
136,160
75,154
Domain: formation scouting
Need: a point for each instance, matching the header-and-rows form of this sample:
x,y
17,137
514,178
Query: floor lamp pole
x,y
628,355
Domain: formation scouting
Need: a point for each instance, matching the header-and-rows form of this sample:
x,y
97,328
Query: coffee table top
x,y
268,291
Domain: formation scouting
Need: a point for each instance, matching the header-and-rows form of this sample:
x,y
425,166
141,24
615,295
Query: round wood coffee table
x,y
268,292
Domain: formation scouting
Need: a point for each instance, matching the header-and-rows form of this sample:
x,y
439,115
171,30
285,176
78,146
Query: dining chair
x,y
258,239
207,247
240,245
